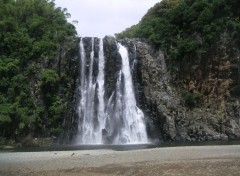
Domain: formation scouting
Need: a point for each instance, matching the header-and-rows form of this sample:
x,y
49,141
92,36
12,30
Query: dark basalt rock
x,y
112,64
95,55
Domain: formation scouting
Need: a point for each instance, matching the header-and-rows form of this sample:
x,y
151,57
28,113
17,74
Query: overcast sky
x,y
97,18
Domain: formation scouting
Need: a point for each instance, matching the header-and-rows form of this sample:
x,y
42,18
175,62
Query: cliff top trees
x,y
183,27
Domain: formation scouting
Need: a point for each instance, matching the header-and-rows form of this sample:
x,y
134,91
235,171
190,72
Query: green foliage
x,y
4,113
184,28
128,33
49,80
192,100
32,32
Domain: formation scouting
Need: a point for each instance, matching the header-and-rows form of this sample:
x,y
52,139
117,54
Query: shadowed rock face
x,y
112,63
87,42
160,94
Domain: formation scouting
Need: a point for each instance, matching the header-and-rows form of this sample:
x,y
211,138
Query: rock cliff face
x,y
199,101
156,96
216,78
113,64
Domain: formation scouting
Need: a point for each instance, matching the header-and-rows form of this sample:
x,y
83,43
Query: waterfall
x,y
100,81
134,129
87,133
108,120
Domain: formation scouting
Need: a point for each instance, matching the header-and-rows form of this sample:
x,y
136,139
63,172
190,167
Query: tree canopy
x,y
32,33
183,27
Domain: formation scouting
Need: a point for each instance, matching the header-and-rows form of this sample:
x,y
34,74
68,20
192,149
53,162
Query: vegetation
x,y
187,28
34,35
192,100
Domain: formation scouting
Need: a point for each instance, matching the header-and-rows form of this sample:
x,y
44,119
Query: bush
x,y
192,100
49,80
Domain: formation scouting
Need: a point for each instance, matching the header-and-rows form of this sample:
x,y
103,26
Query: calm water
x,y
120,147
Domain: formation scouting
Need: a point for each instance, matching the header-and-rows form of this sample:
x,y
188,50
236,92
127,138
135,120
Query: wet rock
x,y
112,63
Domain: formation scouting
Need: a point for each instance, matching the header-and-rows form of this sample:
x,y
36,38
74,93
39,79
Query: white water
x,y
82,108
119,121
86,129
134,129
101,91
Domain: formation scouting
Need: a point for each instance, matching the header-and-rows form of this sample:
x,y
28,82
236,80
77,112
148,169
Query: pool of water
x,y
119,147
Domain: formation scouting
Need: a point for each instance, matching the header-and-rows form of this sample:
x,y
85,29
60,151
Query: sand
x,y
169,161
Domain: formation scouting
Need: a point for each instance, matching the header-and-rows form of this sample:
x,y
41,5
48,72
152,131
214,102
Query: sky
x,y
98,18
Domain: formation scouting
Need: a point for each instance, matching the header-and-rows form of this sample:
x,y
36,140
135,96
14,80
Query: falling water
x,y
86,129
119,120
100,81
134,129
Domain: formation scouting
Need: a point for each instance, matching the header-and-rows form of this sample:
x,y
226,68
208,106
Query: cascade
x,y
133,129
108,120
87,132
100,82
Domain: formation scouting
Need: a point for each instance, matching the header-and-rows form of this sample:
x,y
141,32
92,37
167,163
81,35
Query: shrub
x,y
192,100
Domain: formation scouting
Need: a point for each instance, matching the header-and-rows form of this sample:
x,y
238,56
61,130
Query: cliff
x,y
194,90
200,102
178,106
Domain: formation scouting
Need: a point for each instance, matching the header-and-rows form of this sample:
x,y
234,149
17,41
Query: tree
x,y
32,32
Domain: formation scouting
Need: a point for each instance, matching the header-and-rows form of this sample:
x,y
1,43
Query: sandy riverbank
x,y
182,161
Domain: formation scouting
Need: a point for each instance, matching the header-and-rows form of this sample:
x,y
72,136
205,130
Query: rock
x,y
223,137
216,137
233,130
182,135
112,63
